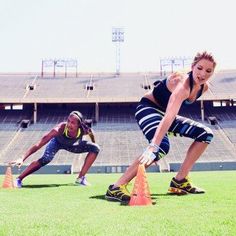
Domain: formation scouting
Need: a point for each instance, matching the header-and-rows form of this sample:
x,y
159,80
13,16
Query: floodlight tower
x,y
117,37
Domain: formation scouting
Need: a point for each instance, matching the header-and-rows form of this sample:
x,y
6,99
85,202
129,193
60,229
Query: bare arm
x,y
180,93
45,139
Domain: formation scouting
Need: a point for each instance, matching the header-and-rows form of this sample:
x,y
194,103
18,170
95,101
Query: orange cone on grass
x,y
8,179
140,195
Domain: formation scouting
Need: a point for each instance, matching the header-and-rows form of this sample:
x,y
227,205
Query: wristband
x,y
149,154
156,147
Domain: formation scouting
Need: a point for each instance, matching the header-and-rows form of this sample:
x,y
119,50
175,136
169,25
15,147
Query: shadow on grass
x,y
153,196
160,194
124,203
168,195
47,185
102,197
99,197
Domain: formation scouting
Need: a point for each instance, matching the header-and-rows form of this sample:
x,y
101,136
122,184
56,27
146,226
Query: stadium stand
x,y
116,131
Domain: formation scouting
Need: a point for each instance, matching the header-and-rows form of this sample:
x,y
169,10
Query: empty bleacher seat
x,y
25,123
212,120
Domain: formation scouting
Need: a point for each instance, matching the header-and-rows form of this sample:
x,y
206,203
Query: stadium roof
x,y
99,88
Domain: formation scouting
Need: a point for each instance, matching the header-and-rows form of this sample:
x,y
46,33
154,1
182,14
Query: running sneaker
x,y
18,183
118,194
82,181
183,187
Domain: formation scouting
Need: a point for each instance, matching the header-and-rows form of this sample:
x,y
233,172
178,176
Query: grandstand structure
x,y
30,105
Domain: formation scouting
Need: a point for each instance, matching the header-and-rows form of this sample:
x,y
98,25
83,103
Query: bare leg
x,y
90,158
129,174
194,152
34,166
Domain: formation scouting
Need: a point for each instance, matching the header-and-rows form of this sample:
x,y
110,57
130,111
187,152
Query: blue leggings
x,y
54,146
149,116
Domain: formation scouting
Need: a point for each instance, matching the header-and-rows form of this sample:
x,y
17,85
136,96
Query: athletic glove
x,y
18,162
147,157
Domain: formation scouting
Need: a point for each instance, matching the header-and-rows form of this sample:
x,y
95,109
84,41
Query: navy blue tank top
x,y
162,94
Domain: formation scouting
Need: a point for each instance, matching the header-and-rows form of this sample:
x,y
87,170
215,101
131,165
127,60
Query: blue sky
x,y
33,30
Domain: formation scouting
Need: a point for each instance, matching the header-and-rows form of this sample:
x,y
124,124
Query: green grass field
x,y
53,205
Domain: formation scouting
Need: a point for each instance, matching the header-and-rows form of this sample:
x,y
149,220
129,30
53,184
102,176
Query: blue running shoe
x,y
82,181
18,183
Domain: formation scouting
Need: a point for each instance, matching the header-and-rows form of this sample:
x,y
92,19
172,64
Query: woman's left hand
x,y
147,157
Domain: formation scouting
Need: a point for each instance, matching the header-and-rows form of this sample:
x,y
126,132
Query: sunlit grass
x,y
53,205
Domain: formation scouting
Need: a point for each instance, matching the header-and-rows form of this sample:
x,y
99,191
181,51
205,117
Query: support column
x,y
202,110
35,113
96,112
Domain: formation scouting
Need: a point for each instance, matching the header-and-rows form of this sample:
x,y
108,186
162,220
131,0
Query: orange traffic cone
x,y
8,179
140,195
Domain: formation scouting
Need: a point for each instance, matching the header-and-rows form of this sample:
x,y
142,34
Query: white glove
x,y
147,157
18,162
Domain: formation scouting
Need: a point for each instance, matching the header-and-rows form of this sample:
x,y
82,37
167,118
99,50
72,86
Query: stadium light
x,y
46,63
117,38
72,63
174,63
59,63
